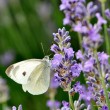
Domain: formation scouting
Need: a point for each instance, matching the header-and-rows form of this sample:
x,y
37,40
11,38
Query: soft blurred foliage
x,y
24,25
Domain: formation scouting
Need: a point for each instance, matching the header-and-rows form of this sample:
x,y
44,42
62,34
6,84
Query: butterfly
x,y
32,74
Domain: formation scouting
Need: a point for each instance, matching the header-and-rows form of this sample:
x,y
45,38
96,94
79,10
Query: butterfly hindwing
x,y
39,79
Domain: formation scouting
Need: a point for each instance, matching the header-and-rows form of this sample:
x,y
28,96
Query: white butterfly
x,y
33,74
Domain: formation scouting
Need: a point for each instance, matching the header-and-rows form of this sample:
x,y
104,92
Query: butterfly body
x,y
33,74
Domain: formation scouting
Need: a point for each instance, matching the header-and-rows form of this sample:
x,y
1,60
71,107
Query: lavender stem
x,y
105,90
80,41
102,79
71,101
105,29
4,106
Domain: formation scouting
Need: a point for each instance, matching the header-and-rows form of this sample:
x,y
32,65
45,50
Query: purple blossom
x,y
55,48
69,52
80,28
7,58
104,107
93,34
75,10
103,57
79,55
54,83
100,19
85,94
57,77
56,60
77,87
91,9
65,106
89,65
76,69
107,13
53,104
66,20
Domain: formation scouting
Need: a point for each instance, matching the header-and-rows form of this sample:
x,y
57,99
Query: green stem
x,y
71,101
105,90
4,106
105,29
102,79
80,41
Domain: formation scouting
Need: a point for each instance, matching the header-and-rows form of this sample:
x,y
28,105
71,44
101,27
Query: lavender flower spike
x,y
66,69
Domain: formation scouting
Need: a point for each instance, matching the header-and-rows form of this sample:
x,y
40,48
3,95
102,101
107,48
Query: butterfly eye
x,y
24,73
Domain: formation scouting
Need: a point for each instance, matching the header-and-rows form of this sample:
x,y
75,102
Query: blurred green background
x,y
24,25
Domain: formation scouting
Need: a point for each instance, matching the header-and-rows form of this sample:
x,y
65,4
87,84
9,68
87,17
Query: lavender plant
x,y
93,64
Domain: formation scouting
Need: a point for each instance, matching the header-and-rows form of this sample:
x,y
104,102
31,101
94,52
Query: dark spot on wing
x,y
9,69
24,73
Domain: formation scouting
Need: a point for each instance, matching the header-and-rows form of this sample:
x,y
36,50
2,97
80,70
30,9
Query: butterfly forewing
x,y
39,80
20,72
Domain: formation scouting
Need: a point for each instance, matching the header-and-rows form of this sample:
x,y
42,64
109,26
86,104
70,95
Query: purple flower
x,y
7,58
55,48
91,9
66,20
56,60
104,107
76,69
74,10
107,13
65,106
54,83
77,87
89,65
64,4
100,19
53,104
93,34
80,28
69,52
85,94
57,77
92,38
103,57
79,55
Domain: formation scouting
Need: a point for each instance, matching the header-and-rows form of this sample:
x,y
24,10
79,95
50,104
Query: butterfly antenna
x,y
49,49
43,49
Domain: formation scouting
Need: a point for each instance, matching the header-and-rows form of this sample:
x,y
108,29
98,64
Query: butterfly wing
x,y
20,72
39,79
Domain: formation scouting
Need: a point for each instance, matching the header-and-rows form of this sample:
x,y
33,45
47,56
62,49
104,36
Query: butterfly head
x,y
46,58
